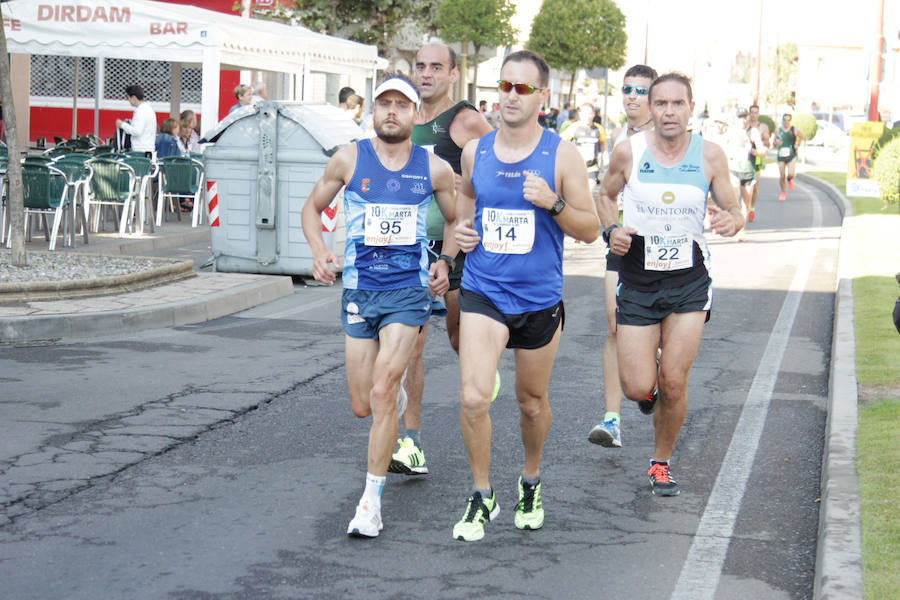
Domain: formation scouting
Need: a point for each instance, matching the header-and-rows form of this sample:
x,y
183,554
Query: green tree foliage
x,y
781,71
886,171
366,21
579,34
479,22
807,125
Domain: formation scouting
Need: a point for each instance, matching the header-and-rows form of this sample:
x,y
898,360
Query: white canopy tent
x,y
148,30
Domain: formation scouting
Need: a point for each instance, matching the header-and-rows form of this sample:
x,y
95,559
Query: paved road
x,y
221,460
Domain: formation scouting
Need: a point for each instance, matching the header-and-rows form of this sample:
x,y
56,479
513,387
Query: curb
x,y
138,246
29,291
174,314
839,573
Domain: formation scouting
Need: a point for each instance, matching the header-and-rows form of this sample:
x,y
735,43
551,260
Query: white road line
x,y
702,568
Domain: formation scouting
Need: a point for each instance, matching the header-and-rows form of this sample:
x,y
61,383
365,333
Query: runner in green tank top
x,y
442,126
789,139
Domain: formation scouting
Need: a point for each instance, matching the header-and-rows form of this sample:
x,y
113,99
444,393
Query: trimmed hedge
x,y
886,171
807,125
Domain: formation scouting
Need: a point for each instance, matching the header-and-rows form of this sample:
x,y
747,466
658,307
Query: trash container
x,y
261,166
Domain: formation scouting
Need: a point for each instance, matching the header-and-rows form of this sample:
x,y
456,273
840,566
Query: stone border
x,y
29,291
839,571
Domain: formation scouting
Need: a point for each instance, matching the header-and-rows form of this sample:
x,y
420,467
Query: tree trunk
x,y
475,76
14,168
572,86
463,71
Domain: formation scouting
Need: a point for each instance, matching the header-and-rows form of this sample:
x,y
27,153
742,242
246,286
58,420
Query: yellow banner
x,y
859,167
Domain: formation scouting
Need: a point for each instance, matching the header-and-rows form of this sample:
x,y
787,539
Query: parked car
x,y
828,135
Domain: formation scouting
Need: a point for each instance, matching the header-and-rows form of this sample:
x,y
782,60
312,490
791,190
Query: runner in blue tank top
x,y
443,127
387,278
664,292
522,189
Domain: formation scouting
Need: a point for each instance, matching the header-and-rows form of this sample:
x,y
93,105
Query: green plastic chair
x,y
101,150
77,178
145,170
111,184
44,194
181,177
83,156
37,159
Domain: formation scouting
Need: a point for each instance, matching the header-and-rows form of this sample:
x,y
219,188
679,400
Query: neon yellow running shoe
x,y
409,459
530,508
471,527
496,391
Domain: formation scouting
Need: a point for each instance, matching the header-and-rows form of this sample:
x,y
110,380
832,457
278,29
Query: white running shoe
x,y
367,521
402,399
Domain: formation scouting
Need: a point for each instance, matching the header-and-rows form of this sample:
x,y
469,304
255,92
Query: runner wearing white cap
x,y
388,186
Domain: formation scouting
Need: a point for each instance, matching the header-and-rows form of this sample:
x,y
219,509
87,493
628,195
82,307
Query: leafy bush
x,y
886,171
769,121
807,125
888,135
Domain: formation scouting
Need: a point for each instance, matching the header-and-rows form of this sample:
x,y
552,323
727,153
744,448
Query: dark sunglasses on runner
x,y
522,89
640,90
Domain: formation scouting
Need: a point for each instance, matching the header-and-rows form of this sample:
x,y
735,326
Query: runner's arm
x,y
468,125
607,198
579,216
726,219
337,173
466,237
443,182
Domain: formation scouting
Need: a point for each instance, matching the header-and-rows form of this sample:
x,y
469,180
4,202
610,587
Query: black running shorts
x,y
528,331
648,308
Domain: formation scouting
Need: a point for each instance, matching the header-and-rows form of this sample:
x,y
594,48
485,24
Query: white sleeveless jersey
x,y
665,203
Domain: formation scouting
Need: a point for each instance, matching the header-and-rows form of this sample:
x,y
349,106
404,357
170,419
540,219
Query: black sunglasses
x,y
522,89
640,90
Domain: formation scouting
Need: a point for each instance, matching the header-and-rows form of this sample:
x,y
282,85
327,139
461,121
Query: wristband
x,y
606,232
449,260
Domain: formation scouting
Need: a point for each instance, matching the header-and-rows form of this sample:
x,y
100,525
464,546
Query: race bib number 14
x,y
390,224
668,252
507,231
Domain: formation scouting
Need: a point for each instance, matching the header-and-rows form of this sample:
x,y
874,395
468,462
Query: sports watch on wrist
x,y
608,231
557,207
449,260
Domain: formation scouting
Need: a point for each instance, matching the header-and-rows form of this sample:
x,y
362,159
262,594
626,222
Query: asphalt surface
x,y
185,472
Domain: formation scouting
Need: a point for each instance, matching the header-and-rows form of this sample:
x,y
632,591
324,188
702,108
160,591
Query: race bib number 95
x,y
390,224
507,231
668,252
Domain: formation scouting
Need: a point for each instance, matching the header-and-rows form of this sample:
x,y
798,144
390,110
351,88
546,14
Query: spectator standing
x,y
142,127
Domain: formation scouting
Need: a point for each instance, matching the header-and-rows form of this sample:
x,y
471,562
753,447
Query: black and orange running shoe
x,y
648,404
661,481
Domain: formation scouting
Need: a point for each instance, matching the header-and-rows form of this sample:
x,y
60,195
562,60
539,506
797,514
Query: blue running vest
x,y
397,202
515,282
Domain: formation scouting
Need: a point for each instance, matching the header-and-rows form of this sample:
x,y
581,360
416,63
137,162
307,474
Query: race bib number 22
x,y
668,252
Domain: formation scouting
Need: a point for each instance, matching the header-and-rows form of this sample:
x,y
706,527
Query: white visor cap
x,y
398,85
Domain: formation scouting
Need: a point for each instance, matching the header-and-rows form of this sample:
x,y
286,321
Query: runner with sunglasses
x,y
443,127
665,289
636,86
522,190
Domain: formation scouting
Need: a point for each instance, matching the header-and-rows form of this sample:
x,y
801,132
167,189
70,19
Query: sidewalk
x,y
194,300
